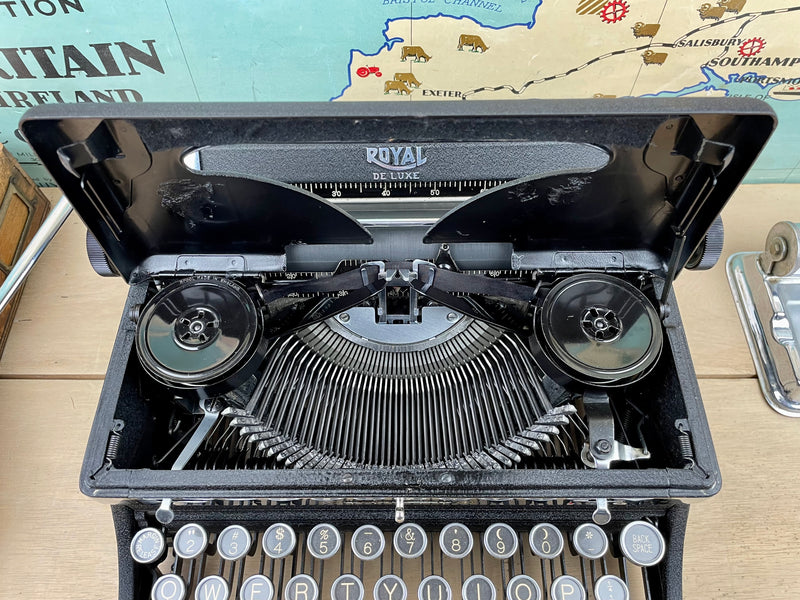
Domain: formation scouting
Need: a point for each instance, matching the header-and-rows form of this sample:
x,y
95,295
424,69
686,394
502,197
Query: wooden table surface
x,y
55,543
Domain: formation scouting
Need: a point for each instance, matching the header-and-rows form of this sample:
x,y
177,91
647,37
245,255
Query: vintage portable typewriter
x,y
401,350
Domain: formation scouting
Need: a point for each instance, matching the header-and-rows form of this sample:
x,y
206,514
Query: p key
x,y
567,587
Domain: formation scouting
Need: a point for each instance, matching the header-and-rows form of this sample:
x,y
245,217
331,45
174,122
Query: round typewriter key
x,y
390,587
347,587
478,587
410,540
500,540
168,587
147,545
523,587
590,541
234,542
642,544
610,587
368,542
279,540
256,587
301,587
212,587
324,541
190,541
567,587
455,540
434,587
546,541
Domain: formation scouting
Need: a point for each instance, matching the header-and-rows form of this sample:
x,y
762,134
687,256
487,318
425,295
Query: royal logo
x,y
396,158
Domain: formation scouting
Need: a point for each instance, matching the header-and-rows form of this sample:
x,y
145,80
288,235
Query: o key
x,y
212,587
434,587
347,587
168,587
523,587
390,587
567,587
301,587
478,587
256,587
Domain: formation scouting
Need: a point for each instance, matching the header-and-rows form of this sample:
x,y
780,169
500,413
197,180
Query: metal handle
x,y
34,250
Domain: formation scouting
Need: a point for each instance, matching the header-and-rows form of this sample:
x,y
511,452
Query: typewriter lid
x,y
671,166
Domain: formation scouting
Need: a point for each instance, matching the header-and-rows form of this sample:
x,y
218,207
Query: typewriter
x,y
399,351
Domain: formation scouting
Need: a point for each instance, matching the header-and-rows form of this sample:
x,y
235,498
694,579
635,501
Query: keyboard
x,y
318,552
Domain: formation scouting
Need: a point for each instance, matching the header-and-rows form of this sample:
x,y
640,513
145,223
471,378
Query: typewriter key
x,y
410,540
368,542
500,540
256,587
147,546
390,587
200,332
279,540
324,540
590,541
168,587
597,329
610,587
546,541
567,587
347,587
478,587
212,587
301,587
234,542
190,541
455,540
523,587
642,544
434,587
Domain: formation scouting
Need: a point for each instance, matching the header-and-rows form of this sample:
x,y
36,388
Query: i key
x,y
478,587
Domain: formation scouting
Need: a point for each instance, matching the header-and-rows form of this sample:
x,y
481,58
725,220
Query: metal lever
x,y
211,412
55,219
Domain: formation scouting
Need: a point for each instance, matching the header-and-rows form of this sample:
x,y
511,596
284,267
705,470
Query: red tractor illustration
x,y
367,71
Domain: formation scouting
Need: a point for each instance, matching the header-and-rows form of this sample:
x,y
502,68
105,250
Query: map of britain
x,y
408,50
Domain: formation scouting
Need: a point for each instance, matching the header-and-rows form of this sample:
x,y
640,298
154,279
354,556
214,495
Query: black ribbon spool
x,y
201,332
597,330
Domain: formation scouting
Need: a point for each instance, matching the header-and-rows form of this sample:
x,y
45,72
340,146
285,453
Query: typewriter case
x,y
501,209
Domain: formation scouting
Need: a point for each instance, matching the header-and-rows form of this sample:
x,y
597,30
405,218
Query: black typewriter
x,y
401,351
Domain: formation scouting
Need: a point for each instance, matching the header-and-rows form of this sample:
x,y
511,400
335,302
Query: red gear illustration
x,y
614,11
752,46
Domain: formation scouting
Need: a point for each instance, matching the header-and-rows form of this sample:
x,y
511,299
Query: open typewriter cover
x,y
344,311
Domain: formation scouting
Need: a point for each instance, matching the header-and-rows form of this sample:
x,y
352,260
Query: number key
x,y
410,540
324,541
190,541
279,540
368,542
546,541
233,542
500,540
455,540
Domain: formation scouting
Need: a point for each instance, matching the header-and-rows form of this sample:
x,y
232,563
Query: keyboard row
x,y
640,542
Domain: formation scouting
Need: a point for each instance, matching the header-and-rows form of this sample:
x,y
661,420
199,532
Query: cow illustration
x,y
398,86
711,12
408,79
416,51
654,58
471,40
645,29
733,6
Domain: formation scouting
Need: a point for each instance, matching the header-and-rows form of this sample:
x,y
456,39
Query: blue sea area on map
x,y
286,50
781,151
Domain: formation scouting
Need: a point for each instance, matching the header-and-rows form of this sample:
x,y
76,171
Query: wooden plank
x,y
68,317
738,544
55,542
67,322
